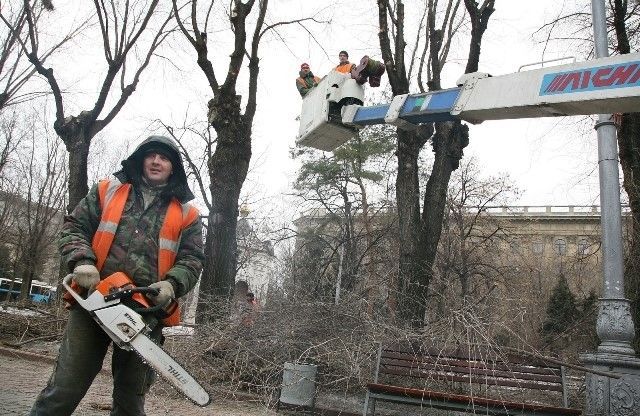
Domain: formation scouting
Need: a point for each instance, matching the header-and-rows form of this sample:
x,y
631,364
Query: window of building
x,y
560,246
583,246
538,247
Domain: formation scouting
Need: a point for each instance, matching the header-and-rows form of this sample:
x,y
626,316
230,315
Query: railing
x,y
510,210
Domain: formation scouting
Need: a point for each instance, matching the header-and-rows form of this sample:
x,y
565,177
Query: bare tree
x,y
229,163
9,186
121,28
42,200
420,229
15,70
467,256
32,196
11,140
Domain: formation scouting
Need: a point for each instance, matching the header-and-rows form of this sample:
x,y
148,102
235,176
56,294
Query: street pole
x,y
606,396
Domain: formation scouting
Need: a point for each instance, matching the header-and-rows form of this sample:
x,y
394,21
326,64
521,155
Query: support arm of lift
x,y
606,85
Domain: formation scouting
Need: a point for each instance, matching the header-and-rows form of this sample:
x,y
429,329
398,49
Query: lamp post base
x,y
607,396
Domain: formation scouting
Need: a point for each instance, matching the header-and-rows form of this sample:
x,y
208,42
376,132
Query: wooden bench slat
x,y
476,354
480,401
414,360
472,369
477,380
535,384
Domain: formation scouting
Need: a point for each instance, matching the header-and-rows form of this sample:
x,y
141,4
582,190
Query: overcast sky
x,y
552,161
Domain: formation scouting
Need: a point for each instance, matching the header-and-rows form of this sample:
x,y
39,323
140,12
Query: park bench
x,y
472,380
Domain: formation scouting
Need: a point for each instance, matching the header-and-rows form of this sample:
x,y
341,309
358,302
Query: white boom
x,y
332,112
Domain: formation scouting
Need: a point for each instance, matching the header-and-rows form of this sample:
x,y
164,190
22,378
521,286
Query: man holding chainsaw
x,y
138,223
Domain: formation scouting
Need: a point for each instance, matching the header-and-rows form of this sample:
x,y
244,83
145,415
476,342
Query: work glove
x,y
86,275
165,293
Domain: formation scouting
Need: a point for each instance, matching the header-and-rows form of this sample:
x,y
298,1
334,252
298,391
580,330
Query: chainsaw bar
x,y
168,368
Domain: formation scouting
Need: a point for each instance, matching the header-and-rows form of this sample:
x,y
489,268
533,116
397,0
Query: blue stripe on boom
x,y
418,108
437,101
367,116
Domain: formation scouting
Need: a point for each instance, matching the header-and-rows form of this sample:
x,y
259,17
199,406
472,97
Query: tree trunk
x,y
419,234
78,178
349,267
449,142
412,276
228,169
371,282
76,136
27,279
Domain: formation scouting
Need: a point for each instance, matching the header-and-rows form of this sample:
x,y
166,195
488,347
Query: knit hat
x,y
304,66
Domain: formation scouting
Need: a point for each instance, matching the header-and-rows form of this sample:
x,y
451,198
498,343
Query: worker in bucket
x,y
139,223
306,81
344,66
369,70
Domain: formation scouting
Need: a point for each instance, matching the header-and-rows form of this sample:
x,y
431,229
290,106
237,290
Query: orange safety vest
x,y
113,197
345,68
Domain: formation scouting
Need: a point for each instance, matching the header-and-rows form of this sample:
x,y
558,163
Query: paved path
x,y
22,378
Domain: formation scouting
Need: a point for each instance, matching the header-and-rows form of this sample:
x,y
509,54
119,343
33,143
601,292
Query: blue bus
x,y
40,292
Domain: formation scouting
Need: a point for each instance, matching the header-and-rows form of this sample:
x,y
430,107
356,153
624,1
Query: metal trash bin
x,y
298,384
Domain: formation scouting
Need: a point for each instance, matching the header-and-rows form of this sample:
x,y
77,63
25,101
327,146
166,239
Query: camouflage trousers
x,y
84,346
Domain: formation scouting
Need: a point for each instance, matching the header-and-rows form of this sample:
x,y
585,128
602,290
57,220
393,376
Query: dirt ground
x,y
24,376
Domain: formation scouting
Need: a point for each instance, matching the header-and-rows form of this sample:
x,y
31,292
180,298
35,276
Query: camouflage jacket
x,y
305,83
135,247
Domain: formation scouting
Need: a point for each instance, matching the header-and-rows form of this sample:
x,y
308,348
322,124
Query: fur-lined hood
x,y
131,171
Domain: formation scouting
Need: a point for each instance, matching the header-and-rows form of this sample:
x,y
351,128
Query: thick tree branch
x,y
200,45
129,89
104,29
254,62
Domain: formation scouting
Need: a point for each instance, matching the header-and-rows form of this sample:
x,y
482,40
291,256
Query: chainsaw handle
x,y
66,283
127,293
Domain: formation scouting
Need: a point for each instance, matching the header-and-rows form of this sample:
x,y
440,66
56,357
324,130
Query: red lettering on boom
x,y
635,77
555,85
573,79
598,80
622,73
586,77
554,82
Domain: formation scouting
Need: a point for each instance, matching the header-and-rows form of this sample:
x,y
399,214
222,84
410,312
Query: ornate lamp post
x,y
605,395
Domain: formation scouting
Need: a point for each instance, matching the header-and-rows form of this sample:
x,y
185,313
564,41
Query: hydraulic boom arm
x,y
599,86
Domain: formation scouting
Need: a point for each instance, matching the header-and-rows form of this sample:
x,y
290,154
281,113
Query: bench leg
x,y
365,412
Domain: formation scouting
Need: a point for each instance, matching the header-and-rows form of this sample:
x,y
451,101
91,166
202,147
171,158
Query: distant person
x,y
306,81
368,70
344,66
240,308
249,319
251,299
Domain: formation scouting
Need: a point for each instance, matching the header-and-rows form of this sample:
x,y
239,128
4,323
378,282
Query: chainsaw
x,y
126,327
